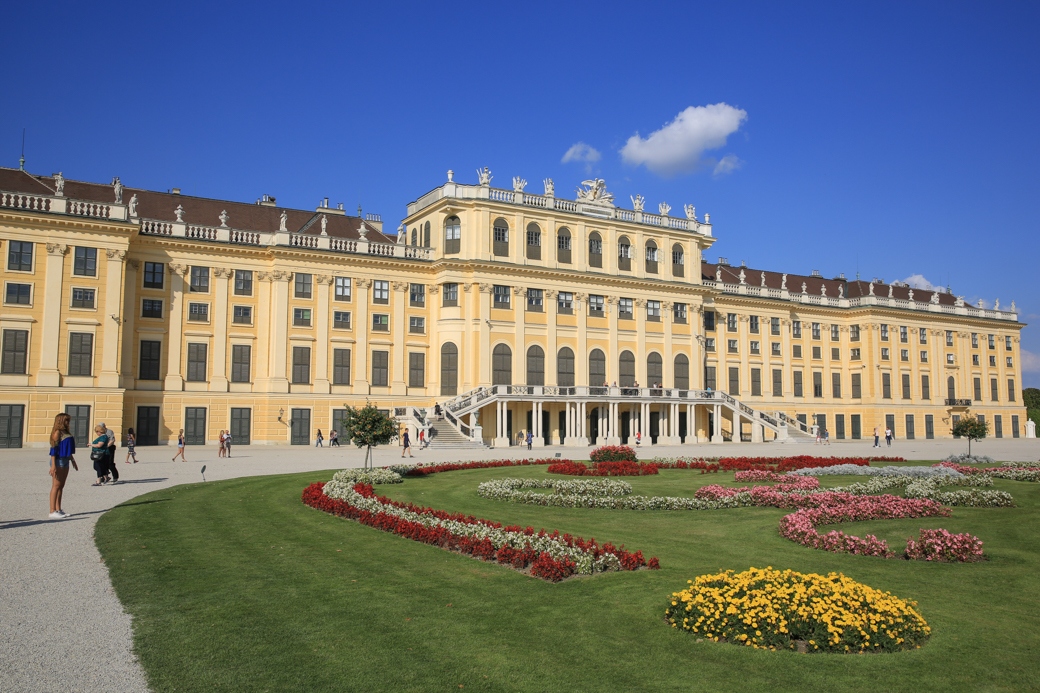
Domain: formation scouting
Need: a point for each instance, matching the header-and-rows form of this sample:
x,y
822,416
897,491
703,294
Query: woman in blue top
x,y
99,453
63,449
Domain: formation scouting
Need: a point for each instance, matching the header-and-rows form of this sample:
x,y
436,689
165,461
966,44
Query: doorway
x,y
147,426
300,423
12,421
79,426
195,426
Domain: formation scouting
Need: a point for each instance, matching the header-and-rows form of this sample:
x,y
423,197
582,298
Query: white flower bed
x,y
346,478
610,497
969,459
894,471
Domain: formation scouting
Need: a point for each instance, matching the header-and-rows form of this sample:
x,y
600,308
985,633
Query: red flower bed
x,y
786,464
705,467
542,564
941,545
455,466
604,468
887,459
613,453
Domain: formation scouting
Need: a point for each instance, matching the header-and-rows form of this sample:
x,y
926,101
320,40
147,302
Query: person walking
x,y
422,438
530,439
63,453
131,443
407,445
639,438
888,437
180,447
98,455
110,460
334,438
826,437
877,436
318,439
227,443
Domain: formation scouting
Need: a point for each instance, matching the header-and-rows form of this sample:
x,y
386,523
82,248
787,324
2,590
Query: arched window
x,y
535,365
500,237
563,246
624,253
682,372
595,250
415,236
654,374
565,367
626,369
502,365
951,389
534,242
452,235
678,261
651,257
597,368
426,236
449,369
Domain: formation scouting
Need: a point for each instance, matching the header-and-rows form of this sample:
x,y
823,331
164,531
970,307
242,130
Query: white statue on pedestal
x,y
763,280
935,298
117,188
594,192
519,184
282,221
550,187
691,212
59,184
484,176
911,294
133,205
870,289
783,282
742,276
996,304
638,202
664,208
324,224
223,218
841,291
179,213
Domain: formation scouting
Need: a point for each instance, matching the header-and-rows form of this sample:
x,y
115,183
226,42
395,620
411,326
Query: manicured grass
x,y
237,586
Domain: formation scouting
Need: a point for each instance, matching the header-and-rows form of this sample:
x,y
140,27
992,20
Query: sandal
x,y
96,483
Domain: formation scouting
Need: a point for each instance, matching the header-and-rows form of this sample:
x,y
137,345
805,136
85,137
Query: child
x,y
131,441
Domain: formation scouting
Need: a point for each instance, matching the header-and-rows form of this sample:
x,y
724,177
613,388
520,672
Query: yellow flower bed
x,y
772,609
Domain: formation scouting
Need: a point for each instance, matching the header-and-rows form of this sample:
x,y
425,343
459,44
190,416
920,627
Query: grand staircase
x,y
444,436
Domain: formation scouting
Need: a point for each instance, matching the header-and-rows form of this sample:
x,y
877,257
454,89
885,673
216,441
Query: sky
x,y
894,140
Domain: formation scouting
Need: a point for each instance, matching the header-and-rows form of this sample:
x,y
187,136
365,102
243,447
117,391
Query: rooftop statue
x,y
763,279
890,291
179,213
664,208
783,282
841,291
996,304
133,205
594,192
484,176
223,217
324,224
718,274
935,297
282,221
117,188
870,290
550,187
59,184
691,212
519,184
742,276
823,289
638,202
804,287
910,294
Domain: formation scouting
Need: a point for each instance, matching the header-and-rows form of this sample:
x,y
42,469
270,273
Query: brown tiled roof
x,y
203,211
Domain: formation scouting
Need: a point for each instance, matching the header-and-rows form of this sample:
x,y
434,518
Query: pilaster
x,y
361,327
321,350
218,379
174,379
398,384
50,332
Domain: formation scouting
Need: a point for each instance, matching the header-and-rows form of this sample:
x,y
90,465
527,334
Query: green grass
x,y
237,586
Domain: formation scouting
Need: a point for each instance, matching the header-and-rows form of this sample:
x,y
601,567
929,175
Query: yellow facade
x,y
194,324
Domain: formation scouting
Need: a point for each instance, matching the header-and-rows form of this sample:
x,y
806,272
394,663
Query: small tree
x,y
972,428
366,427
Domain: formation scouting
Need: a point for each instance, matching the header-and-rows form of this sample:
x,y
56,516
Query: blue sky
x,y
893,139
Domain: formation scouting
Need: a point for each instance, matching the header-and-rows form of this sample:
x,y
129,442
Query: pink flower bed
x,y
941,545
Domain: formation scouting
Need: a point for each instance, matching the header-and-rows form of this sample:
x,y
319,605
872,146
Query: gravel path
x,y
63,629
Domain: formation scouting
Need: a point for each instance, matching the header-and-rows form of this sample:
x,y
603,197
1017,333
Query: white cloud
x,y
677,147
1030,362
581,152
918,281
727,164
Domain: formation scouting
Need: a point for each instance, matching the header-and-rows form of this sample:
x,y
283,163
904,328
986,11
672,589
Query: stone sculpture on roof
x,y
742,276
594,192
890,291
823,289
324,224
223,218
664,208
870,289
133,205
484,176
638,202
282,221
117,188
996,304
59,184
910,294
718,274
550,187
783,282
841,291
179,213
763,279
691,212
519,184
935,298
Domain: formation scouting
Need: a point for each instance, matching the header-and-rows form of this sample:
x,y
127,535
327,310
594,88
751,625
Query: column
x,y
278,333
612,352
581,358
174,380
668,367
583,431
361,327
433,361
218,381
484,329
536,425
647,440
50,329
502,440
716,433
398,384
691,424
129,312
737,424
321,347
109,376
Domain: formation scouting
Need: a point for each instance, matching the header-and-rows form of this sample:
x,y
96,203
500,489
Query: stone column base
x,y
500,443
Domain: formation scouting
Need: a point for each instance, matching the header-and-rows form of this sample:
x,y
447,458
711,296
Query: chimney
x,y
266,201
176,191
816,273
723,261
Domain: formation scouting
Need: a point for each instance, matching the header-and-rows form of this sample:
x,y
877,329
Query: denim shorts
x,y
62,462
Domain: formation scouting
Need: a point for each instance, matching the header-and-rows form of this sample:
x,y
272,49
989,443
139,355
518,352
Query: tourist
x,y
422,438
131,442
63,451
110,460
407,445
639,438
334,438
180,447
819,435
877,436
826,437
888,436
520,438
99,455
318,439
220,443
530,439
227,444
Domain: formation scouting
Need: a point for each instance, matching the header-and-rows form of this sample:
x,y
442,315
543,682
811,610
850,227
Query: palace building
x,y
499,310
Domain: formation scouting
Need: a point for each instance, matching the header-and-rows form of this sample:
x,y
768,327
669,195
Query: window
x,y
452,235
83,298
624,249
417,295
19,256
709,377
949,337
301,365
731,322
153,275
835,333
565,369
884,353
886,385
243,282
501,365
857,386
993,361
797,382
654,369
926,387
904,334
734,381
753,324
148,364
342,285
756,347
836,353
380,322
951,389
994,394
380,368
243,315
653,311
451,295
796,329
854,333
775,348
709,321
534,235
84,262
950,359
977,383
416,325
681,372
597,367
1007,343
197,354
380,291
416,369
774,326
709,344
500,234
449,369
817,352
974,340
301,317
341,366
535,365
991,341
678,260
15,350
241,362
679,313
535,298
565,302
756,382
922,335
198,312
904,354
595,305
816,330
626,369
341,320
796,351
81,353
836,385
199,281
151,308
304,282
18,294
731,346
817,384
855,354
651,257
778,382
501,296
884,333
1008,362
625,308
595,250
924,357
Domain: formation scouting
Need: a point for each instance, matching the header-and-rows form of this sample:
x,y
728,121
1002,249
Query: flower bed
x,y
625,468
940,545
786,464
549,556
349,477
1014,471
772,609
425,469
613,453
858,470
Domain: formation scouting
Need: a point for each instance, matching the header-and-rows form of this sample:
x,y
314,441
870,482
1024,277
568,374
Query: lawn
x,y
237,586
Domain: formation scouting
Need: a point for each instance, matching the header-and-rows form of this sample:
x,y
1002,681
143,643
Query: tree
x,y
367,427
1031,397
972,428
